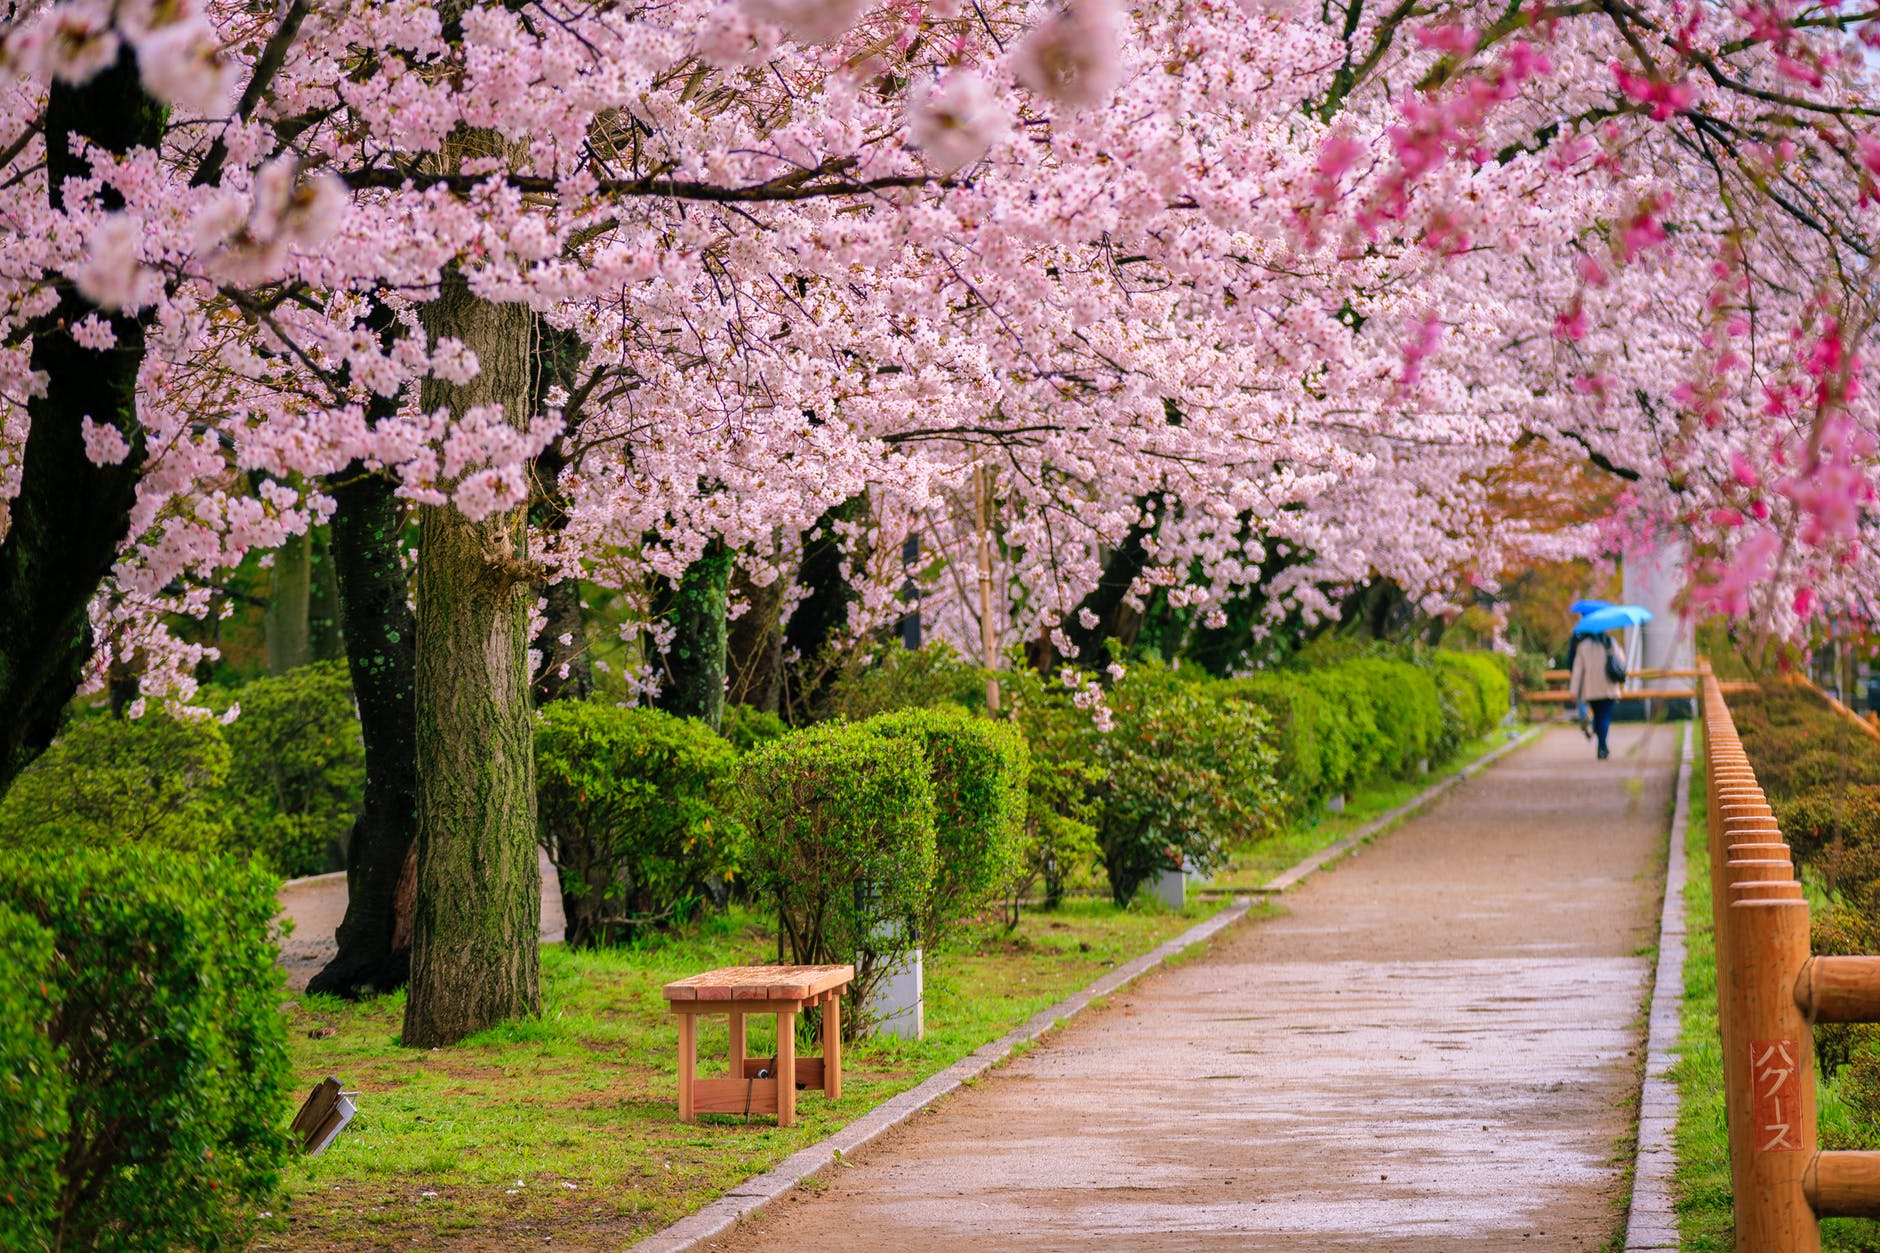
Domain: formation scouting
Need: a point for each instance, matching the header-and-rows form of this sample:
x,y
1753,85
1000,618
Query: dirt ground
x,y
1436,1048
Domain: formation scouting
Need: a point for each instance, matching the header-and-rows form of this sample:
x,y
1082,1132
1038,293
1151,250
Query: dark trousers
x,y
1602,720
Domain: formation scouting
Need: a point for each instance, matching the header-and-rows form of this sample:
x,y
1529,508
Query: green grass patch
x,y
1703,1176
567,1126
1253,865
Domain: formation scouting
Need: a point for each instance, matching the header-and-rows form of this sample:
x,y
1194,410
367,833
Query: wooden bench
x,y
735,991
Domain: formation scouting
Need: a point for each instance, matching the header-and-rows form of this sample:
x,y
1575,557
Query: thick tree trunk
x,y
62,531
474,960
381,653
754,645
823,612
288,626
695,661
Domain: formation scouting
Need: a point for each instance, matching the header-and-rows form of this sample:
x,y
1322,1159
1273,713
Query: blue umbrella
x,y
1588,606
1612,618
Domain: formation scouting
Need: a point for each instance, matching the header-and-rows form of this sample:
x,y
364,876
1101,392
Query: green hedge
x,y
744,728
297,769
34,1089
980,770
1407,708
626,805
1310,754
151,780
891,677
1340,726
170,1040
840,823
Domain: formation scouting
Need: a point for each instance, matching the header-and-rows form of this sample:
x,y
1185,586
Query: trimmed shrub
x,y
894,677
1354,743
33,1086
108,781
1061,805
979,769
171,1042
744,727
1185,775
626,807
297,771
840,823
1407,707
1494,682
1309,751
1828,821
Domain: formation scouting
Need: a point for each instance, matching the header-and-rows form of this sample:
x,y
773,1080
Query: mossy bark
x,y
823,612
474,961
70,516
381,653
754,645
695,661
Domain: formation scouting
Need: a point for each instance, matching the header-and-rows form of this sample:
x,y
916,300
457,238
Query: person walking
x,y
1597,678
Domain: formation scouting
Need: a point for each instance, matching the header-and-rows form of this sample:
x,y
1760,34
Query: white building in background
x,y
1655,580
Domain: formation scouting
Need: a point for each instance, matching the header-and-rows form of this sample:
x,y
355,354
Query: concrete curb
x,y
1652,1223
692,1231
760,1190
1331,853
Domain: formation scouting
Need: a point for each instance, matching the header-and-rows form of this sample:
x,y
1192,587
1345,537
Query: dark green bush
x,y
297,772
1185,776
171,1038
744,728
106,781
33,1086
626,805
840,824
980,770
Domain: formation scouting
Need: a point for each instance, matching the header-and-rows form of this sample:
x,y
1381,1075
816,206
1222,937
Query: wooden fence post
x,y
1773,1137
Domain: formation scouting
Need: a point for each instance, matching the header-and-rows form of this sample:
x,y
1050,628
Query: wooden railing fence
x,y
1770,992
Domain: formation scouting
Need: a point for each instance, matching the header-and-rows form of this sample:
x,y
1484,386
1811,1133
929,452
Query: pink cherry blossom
x,y
1071,56
955,121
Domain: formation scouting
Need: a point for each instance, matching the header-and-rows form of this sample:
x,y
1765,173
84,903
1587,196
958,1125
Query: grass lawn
x,y
567,1126
1254,865
1703,1178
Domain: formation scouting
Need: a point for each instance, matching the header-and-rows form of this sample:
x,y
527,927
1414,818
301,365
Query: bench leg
x,y
832,1048
786,1068
737,1045
688,1063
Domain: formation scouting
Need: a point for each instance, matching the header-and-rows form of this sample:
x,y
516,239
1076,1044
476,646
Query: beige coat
x,y
1588,680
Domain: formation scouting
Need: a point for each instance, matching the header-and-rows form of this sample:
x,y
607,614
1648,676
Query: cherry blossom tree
x,y
1184,288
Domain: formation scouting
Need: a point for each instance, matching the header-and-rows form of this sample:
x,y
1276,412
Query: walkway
x,y
1435,1048
315,906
